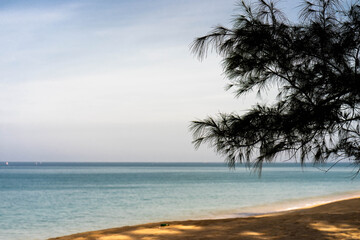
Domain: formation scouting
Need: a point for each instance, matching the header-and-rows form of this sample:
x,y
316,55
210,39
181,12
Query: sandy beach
x,y
336,220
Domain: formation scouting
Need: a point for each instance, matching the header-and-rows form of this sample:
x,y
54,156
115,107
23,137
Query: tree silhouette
x,y
313,64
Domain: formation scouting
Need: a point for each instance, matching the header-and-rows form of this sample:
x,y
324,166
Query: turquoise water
x,y
55,199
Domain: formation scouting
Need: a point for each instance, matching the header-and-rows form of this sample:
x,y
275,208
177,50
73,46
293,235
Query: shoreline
x,y
282,206
339,219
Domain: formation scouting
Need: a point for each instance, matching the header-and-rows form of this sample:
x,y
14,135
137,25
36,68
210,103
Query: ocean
x,y
43,200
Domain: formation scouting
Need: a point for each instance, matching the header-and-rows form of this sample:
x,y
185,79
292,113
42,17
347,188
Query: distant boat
x,y
6,163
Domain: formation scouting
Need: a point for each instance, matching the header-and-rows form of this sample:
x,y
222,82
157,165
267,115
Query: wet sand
x,y
336,220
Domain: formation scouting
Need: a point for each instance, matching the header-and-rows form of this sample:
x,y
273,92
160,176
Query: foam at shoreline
x,y
272,208
282,206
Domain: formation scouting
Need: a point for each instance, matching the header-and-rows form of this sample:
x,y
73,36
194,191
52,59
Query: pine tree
x,y
314,66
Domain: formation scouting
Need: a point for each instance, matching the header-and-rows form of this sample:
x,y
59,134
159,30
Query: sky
x,y
112,81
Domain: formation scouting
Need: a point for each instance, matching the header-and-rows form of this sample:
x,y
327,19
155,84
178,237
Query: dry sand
x,y
337,220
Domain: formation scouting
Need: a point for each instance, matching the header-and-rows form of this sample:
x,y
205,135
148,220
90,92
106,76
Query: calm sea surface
x,y
55,199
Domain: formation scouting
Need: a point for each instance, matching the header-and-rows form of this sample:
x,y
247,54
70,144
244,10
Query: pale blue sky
x,y
109,80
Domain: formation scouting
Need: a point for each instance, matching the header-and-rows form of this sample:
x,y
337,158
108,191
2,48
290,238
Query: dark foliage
x,y
314,65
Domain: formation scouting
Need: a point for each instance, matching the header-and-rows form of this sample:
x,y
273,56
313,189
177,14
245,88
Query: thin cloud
x,y
37,16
